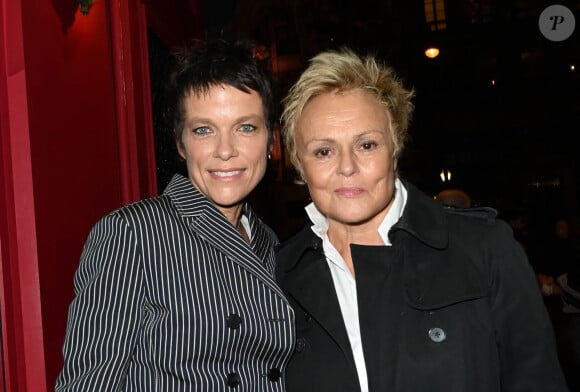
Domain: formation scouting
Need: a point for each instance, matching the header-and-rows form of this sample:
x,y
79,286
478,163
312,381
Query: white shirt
x,y
344,281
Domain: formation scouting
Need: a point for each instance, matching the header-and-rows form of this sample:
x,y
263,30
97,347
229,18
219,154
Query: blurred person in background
x,y
559,280
453,198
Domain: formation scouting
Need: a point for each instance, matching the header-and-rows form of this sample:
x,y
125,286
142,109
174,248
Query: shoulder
x,y
488,240
486,215
144,207
436,225
480,219
145,212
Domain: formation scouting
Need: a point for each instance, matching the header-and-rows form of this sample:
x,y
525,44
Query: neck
x,y
232,213
342,236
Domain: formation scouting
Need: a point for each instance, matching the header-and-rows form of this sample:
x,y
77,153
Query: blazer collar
x,y
187,199
211,225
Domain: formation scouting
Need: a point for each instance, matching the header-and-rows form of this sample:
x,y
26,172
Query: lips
x,y
226,174
349,192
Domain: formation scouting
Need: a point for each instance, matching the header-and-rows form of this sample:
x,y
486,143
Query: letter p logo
x,y
557,19
556,23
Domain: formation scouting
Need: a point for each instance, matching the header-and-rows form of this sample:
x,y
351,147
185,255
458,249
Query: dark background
x,y
498,108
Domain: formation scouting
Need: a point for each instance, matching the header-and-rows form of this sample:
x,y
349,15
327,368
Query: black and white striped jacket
x,y
169,297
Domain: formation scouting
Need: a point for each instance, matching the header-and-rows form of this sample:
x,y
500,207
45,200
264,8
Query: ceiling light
x,y
432,52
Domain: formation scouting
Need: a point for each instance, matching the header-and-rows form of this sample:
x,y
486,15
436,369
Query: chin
x,y
352,219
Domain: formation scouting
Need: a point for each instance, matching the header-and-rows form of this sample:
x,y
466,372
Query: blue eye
x,y
247,128
201,131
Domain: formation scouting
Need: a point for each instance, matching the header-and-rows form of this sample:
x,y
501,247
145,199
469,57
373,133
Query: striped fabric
x,y
169,297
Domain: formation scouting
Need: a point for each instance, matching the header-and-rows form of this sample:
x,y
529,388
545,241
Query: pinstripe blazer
x,y
169,297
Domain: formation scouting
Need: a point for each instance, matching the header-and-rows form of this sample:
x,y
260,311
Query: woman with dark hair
x,y
176,293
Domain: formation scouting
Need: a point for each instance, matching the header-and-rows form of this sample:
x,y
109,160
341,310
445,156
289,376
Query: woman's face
x,y
225,144
343,141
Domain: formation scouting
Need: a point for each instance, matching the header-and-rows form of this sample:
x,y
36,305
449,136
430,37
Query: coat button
x,y
273,374
233,380
300,344
437,335
234,321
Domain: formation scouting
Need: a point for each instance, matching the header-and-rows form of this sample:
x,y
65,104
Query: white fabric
x,y
246,225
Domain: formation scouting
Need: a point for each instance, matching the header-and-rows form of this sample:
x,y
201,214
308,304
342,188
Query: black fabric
x,y
452,306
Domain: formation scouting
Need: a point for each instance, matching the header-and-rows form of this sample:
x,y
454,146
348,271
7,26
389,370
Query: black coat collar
x,y
422,217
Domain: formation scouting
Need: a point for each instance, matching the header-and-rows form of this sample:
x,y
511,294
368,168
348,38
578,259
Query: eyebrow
x,y
358,136
245,118
370,131
251,117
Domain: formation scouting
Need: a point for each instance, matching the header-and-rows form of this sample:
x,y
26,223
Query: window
x,y
435,14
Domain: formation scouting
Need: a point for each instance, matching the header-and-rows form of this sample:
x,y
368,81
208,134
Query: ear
x,y
395,164
180,149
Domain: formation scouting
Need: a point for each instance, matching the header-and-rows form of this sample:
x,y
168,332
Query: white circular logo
x,y
556,22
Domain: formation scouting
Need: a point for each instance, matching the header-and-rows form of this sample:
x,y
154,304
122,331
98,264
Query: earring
x,y
269,156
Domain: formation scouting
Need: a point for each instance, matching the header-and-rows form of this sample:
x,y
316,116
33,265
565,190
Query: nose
x,y
225,147
347,165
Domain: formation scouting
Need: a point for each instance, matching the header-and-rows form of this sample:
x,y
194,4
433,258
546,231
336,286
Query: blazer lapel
x,y
214,228
261,241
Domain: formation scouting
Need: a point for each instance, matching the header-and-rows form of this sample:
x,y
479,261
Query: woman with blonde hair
x,y
392,291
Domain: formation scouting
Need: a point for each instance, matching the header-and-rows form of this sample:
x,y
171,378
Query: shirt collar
x,y
320,223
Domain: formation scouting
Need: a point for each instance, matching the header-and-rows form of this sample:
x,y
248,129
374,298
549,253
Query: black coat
x,y
452,305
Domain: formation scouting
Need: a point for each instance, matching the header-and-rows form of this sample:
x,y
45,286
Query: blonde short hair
x,y
341,71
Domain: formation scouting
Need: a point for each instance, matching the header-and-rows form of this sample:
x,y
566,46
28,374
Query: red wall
x,y
76,142
73,141
22,348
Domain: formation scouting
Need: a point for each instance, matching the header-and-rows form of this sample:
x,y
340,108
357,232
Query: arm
x,y
103,318
524,335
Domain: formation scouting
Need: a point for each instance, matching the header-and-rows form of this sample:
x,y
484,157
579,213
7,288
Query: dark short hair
x,y
199,68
